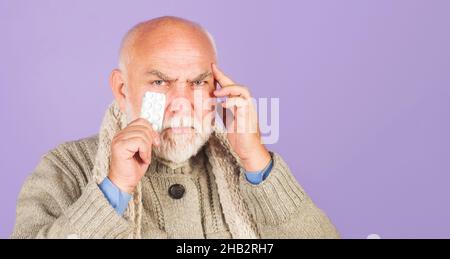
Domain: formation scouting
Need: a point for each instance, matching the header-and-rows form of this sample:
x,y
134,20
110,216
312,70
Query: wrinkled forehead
x,y
172,51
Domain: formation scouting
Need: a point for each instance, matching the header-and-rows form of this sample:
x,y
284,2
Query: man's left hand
x,y
243,132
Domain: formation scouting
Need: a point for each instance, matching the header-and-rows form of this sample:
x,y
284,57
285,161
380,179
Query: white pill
x,y
153,108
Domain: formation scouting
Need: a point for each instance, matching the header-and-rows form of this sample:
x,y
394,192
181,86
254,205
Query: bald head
x,y
165,33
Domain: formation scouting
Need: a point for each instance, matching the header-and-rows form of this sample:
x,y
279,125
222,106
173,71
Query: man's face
x,y
180,69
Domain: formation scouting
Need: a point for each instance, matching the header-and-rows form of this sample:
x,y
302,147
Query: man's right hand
x,y
131,152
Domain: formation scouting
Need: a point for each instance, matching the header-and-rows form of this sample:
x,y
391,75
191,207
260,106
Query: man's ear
x,y
117,84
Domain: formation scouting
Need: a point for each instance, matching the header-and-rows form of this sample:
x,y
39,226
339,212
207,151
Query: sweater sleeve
x,y
282,209
51,204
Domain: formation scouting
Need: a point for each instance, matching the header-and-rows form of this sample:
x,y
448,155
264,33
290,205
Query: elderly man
x,y
187,180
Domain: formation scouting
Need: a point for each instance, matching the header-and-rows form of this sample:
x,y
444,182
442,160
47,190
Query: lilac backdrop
x,y
363,87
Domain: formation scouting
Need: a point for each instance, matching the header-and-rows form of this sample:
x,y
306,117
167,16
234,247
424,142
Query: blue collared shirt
x,y
119,199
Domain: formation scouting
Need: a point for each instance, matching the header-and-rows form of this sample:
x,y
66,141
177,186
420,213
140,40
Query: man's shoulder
x,y
68,163
76,155
86,146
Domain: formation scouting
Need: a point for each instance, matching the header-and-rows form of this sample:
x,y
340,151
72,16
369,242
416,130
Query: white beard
x,y
178,148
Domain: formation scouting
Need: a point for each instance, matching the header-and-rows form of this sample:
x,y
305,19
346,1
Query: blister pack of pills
x,y
153,105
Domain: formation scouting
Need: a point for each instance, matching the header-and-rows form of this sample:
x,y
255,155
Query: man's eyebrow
x,y
202,76
159,74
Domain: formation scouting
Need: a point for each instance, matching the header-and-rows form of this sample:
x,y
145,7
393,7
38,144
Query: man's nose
x,y
179,100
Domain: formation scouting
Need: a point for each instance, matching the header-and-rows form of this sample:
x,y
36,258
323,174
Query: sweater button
x,y
176,191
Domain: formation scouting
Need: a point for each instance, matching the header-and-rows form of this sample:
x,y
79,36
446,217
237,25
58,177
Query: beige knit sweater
x,y
61,199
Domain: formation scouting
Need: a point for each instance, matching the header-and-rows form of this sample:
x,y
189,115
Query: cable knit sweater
x,y
61,198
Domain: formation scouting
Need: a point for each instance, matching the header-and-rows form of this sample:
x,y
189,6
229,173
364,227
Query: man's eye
x,y
199,83
159,83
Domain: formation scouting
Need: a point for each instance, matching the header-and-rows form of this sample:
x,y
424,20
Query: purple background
x,y
363,87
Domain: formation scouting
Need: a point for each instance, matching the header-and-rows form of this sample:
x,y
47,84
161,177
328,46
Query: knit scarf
x,y
224,163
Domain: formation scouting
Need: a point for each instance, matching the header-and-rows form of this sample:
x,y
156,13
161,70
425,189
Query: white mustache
x,y
181,122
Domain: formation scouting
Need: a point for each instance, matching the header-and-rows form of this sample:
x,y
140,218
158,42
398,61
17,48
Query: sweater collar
x,y
161,167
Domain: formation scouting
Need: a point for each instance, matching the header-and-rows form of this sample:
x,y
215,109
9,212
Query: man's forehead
x,y
177,50
172,52
172,55
172,64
